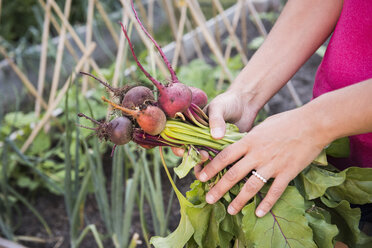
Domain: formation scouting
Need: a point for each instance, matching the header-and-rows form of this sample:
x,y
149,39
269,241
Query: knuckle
x,y
266,205
231,175
224,155
251,186
275,192
238,203
216,192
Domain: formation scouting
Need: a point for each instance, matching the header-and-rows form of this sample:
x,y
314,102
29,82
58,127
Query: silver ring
x,y
259,176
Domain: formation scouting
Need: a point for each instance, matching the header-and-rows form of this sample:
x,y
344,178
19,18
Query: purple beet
x,y
137,96
199,97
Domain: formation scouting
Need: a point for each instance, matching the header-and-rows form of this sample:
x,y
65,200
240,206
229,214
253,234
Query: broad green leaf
x,y
324,232
321,159
357,187
40,144
339,148
206,219
190,159
284,226
317,180
26,182
191,244
179,237
231,225
19,119
347,220
196,194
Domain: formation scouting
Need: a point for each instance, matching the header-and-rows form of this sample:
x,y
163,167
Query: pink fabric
x,y
348,60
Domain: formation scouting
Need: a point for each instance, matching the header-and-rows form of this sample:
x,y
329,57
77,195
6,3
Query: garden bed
x,y
53,207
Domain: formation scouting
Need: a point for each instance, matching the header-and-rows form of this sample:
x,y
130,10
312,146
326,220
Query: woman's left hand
x,y
280,147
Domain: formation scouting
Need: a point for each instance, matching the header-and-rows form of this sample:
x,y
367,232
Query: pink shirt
x,y
348,60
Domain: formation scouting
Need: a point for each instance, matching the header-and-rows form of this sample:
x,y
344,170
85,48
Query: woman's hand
x,y
233,106
280,148
219,111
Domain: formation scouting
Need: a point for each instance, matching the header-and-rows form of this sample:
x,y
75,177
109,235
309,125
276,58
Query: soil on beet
x,y
52,207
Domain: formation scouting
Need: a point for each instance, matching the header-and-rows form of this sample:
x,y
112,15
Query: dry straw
x,y
43,58
58,98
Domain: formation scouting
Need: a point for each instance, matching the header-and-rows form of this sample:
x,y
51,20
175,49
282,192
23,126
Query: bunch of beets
x,y
144,118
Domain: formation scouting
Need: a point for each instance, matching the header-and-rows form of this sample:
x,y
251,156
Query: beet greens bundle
x,y
314,211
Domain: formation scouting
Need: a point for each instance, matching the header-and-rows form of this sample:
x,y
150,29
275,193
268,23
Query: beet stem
x,y
89,118
90,128
198,118
117,106
166,61
199,111
99,80
158,85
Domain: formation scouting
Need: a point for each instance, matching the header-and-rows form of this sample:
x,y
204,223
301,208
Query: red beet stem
x,y
99,80
166,61
158,85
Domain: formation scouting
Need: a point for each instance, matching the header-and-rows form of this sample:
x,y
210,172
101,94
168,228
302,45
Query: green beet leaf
x,y
179,237
316,181
206,219
347,220
357,187
213,227
339,148
196,194
284,226
320,221
190,159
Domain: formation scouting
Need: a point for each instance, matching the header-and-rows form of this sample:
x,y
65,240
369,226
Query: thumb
x,y
216,122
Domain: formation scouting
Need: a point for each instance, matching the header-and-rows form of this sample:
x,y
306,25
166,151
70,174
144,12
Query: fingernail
x,y
231,210
217,132
203,177
210,198
260,213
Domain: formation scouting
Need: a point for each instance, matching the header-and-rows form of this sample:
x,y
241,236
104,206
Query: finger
x,y
274,193
197,170
250,189
227,156
204,156
229,179
216,122
178,151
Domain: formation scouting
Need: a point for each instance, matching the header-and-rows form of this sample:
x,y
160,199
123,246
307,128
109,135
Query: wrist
x,y
322,127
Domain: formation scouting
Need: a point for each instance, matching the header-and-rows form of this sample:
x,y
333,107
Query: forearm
x,y
344,112
301,28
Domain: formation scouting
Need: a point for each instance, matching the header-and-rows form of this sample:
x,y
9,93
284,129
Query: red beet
x,y
151,119
199,97
119,131
174,97
137,96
